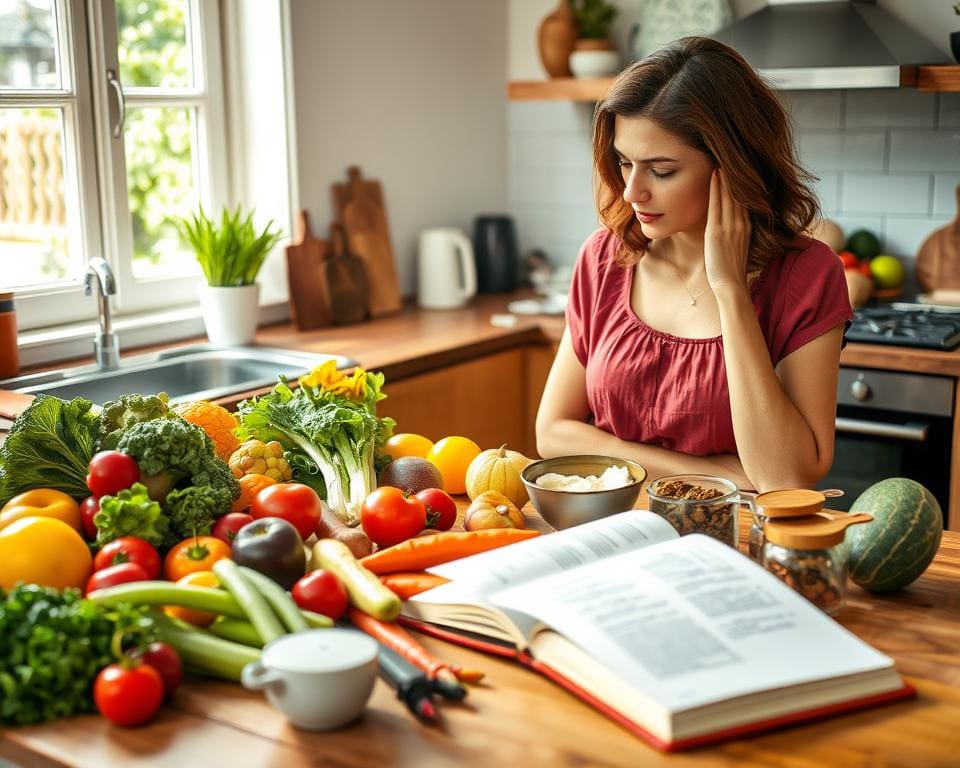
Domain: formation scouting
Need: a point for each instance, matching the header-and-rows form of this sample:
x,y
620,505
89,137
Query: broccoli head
x,y
194,510
121,414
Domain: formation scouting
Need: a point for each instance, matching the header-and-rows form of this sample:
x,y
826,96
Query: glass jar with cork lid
x,y
786,502
803,553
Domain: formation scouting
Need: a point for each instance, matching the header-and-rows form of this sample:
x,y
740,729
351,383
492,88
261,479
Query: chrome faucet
x,y
105,346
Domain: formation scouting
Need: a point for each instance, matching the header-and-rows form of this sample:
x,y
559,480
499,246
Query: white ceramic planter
x,y
594,63
230,313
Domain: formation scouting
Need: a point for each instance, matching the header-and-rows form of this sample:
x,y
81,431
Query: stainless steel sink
x,y
188,373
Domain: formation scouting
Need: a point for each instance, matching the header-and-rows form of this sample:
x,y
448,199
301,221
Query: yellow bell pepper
x,y
42,502
43,550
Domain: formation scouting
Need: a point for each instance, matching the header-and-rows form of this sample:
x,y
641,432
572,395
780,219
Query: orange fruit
x,y
452,455
250,486
192,615
407,444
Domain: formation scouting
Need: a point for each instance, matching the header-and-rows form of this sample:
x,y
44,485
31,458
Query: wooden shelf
x,y
941,78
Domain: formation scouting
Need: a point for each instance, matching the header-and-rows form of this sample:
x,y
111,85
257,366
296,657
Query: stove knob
x,y
860,389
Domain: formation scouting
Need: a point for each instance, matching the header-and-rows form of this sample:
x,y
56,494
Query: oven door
x,y
872,445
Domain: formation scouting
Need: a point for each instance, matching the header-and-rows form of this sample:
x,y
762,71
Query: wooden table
x,y
520,718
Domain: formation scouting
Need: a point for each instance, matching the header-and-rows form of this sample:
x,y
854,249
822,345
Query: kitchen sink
x,y
197,372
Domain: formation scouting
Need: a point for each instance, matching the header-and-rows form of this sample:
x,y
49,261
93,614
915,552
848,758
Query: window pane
x,y
28,45
153,43
33,219
160,177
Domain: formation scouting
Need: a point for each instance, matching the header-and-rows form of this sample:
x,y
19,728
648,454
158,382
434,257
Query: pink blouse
x,y
646,386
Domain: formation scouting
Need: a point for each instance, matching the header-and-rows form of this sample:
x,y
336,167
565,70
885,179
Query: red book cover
x,y
485,645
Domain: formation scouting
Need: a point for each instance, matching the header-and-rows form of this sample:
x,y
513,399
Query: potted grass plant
x,y
593,52
230,254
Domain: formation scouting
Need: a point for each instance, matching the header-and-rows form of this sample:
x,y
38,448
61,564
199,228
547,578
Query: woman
x,y
703,329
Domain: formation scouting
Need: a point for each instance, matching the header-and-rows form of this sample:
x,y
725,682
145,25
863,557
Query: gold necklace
x,y
693,299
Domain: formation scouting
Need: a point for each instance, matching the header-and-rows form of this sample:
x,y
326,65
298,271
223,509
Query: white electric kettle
x,y
447,273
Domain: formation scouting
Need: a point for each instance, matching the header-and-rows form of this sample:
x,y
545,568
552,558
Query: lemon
x,y
887,271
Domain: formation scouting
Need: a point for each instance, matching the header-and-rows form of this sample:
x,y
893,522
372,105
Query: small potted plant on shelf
x,y
230,256
593,54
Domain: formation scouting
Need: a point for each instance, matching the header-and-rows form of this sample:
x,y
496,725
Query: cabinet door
x,y
483,399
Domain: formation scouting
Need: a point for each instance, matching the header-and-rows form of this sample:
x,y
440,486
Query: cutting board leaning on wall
x,y
309,292
938,260
359,207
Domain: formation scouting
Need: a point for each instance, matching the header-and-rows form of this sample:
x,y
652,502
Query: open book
x,y
682,640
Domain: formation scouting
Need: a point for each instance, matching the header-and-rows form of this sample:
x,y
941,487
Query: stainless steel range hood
x,y
810,44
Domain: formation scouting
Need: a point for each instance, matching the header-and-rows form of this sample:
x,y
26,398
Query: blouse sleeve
x,y
582,299
815,301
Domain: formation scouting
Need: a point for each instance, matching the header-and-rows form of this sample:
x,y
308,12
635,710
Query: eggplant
x,y
273,547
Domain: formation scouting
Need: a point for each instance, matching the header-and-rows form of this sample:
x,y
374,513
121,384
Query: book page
x,y
690,622
488,572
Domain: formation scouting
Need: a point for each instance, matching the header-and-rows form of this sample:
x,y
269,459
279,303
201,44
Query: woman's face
x,y
667,182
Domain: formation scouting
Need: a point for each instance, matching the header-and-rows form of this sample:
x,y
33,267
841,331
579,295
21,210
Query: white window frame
x,y
98,190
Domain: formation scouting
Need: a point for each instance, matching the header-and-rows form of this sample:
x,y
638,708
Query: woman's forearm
x,y
566,436
776,445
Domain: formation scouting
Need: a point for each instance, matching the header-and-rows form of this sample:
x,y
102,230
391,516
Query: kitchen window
x,y
111,126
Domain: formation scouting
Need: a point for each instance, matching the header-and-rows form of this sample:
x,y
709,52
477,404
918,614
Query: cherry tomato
x,y
322,592
849,260
165,660
128,695
195,554
112,575
111,472
864,268
129,549
296,503
88,508
389,516
227,526
441,508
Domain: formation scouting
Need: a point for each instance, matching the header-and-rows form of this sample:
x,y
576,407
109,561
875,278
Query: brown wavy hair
x,y
707,95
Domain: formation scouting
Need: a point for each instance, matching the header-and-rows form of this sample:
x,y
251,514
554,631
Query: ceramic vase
x,y
556,37
230,313
594,58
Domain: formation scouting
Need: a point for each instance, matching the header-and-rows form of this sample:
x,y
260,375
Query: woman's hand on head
x,y
726,240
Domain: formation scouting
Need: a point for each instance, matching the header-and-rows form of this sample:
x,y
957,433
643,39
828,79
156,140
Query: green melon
x,y
887,554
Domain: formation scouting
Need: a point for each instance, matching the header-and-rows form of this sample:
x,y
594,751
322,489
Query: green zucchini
x,y
203,652
282,604
167,593
250,599
237,631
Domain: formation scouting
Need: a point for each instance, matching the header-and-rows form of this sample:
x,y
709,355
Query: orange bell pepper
x,y
191,555
42,502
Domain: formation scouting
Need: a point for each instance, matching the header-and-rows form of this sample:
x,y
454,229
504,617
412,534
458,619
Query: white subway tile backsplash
x,y
836,151
904,236
879,193
949,110
925,150
891,108
828,191
945,193
815,110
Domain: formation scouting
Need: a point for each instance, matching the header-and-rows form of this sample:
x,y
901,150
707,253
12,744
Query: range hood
x,y
819,44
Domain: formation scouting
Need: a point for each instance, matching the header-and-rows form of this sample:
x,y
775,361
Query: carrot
x,y
406,584
398,639
420,553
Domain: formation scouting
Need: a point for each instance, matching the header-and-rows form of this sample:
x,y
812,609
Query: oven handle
x,y
914,431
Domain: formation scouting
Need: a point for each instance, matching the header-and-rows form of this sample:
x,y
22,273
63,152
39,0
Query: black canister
x,y
496,254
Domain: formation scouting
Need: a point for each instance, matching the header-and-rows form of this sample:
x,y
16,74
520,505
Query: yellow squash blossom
x,y
327,378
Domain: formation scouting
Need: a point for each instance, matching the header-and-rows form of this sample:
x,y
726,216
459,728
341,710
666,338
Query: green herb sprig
x,y
231,254
594,18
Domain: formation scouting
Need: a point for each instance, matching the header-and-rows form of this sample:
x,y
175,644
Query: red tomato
x,y
296,503
111,472
129,549
115,574
441,508
864,268
128,695
322,592
227,526
389,516
849,260
165,660
88,508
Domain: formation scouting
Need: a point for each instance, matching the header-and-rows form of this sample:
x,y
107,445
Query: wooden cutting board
x,y
938,260
359,206
12,404
306,276
346,277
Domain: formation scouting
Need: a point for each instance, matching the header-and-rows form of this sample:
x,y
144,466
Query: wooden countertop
x,y
519,718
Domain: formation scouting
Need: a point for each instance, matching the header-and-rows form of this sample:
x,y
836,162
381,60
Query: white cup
x,y
319,678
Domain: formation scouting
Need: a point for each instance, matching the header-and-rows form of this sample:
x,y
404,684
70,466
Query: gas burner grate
x,y
906,325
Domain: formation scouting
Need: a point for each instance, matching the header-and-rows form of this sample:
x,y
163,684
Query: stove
x,y
907,325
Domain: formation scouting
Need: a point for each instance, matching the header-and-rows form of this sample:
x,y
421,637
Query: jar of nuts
x,y
697,504
803,552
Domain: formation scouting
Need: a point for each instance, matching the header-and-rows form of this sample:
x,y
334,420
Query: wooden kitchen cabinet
x,y
491,399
